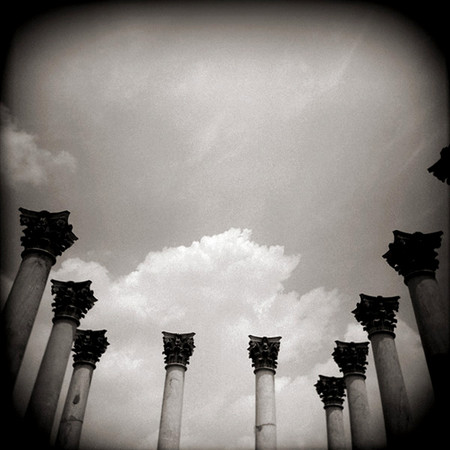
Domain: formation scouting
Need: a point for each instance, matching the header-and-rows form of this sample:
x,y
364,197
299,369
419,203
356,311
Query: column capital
x,y
89,346
377,314
72,299
263,351
413,254
46,232
351,357
440,169
331,390
178,348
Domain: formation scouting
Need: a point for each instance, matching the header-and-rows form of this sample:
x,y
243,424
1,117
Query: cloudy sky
x,y
229,171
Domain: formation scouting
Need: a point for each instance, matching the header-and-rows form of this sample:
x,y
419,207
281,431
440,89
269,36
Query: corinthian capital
x,y
331,390
46,232
377,314
263,351
72,300
89,346
413,254
440,169
178,348
351,357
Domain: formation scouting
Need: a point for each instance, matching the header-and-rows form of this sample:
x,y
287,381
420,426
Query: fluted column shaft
x,y
178,348
89,346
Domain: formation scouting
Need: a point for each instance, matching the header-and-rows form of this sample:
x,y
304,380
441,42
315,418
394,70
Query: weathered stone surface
x,y
172,408
335,428
88,347
359,411
178,348
265,417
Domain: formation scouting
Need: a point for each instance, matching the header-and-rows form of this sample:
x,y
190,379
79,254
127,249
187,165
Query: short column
x,y
413,256
72,301
46,236
178,348
263,351
88,347
377,315
351,357
332,392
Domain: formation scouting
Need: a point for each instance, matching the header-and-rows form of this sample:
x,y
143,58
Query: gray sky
x,y
229,171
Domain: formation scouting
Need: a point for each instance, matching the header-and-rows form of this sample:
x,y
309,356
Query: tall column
x,y
88,347
351,357
413,257
72,301
331,391
46,236
377,315
178,348
263,351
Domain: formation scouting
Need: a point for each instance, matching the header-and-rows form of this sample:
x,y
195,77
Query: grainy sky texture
x,y
229,171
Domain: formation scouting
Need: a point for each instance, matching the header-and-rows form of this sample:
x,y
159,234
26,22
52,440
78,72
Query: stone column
x,y
72,301
331,391
263,351
46,236
178,348
377,315
88,348
413,256
351,357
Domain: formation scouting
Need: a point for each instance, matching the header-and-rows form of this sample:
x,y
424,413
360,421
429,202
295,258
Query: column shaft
x,y
396,409
69,432
170,425
335,427
358,407
21,308
432,321
44,398
265,426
